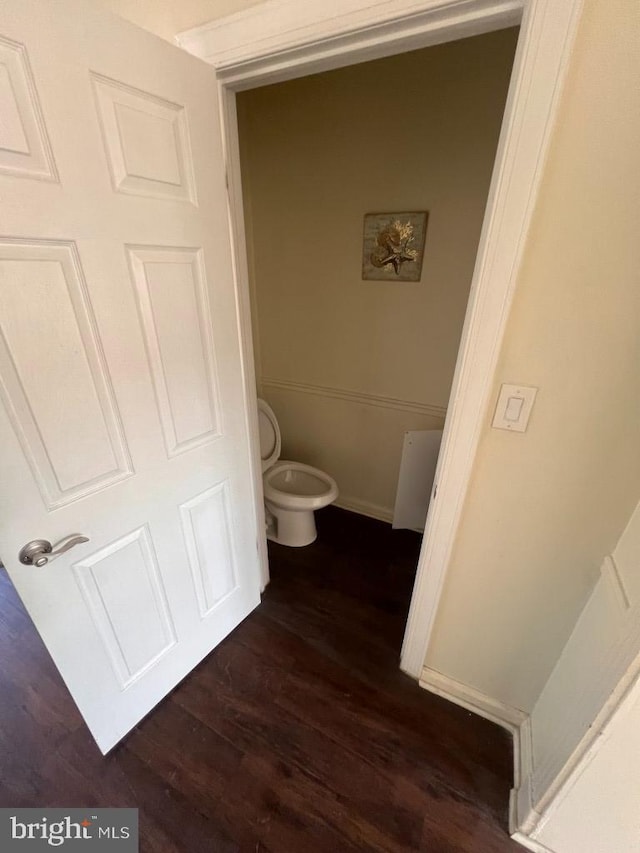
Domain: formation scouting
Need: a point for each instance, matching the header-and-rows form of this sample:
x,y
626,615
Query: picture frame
x,y
393,246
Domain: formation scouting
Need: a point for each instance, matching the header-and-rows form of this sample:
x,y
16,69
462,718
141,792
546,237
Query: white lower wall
x,y
593,670
356,438
598,811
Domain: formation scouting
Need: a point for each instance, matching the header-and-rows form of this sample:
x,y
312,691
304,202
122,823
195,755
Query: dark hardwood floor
x,y
298,734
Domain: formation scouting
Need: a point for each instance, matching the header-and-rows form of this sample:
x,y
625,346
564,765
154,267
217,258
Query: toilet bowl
x,y
292,490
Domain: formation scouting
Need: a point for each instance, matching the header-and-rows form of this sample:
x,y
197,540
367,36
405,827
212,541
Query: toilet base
x,y
295,528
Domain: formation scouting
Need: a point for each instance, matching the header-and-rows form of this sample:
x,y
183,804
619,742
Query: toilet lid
x,y
269,435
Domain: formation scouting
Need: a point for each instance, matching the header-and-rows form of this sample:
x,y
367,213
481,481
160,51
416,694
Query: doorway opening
x,y
356,369
284,41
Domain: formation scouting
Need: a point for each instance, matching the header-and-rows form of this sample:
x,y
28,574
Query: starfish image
x,y
393,246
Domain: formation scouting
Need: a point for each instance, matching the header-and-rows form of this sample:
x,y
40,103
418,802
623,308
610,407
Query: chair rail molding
x,y
283,39
358,397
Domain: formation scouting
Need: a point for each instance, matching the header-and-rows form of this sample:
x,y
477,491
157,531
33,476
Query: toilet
x,y
292,491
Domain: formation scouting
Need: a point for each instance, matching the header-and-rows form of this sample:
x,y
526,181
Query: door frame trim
x,y
283,39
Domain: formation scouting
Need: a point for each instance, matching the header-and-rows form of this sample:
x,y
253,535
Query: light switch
x,y
514,407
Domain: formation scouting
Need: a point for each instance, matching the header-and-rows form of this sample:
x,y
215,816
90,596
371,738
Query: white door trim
x,y
231,153
282,39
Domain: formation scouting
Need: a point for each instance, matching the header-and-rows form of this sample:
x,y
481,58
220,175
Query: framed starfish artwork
x,y
393,246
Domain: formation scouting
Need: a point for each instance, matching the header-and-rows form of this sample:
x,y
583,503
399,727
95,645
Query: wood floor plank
x,y
299,734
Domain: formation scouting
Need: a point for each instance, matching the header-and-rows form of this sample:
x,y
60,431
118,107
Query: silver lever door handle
x,y
40,551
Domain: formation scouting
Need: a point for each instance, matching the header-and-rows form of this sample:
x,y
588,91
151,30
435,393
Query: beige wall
x,y
546,506
412,132
166,18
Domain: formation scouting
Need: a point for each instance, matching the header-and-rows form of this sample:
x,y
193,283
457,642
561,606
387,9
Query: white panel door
x,y
122,415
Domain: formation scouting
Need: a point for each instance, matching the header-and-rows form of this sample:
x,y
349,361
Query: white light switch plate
x,y
514,407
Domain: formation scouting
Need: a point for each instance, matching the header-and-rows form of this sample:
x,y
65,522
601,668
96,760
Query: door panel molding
x,y
53,373
25,151
146,140
127,617
206,523
172,298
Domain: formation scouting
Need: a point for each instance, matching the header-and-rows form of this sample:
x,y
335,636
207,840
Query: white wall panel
x,y
604,643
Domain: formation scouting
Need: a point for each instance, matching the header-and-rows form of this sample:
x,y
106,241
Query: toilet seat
x,y
285,483
270,438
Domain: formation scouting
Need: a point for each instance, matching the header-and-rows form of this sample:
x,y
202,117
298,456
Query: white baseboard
x,y
382,513
504,715
530,843
522,817
523,762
